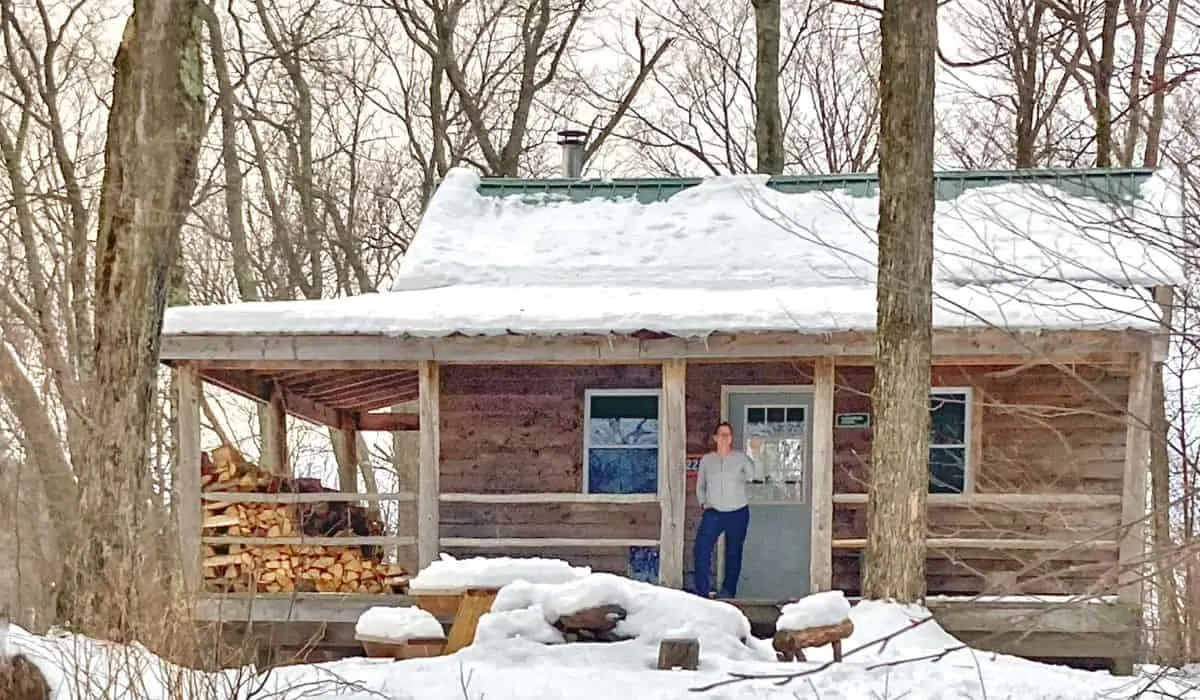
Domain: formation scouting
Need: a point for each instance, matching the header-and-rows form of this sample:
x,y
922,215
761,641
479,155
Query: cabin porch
x,y
502,469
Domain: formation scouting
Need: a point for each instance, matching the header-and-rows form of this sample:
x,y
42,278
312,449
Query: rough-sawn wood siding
x,y
517,429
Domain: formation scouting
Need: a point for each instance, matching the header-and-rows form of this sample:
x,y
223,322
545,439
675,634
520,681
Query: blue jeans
x,y
734,524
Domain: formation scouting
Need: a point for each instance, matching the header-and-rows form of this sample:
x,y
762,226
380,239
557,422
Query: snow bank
x,y
817,610
913,635
398,624
81,668
519,669
527,610
450,574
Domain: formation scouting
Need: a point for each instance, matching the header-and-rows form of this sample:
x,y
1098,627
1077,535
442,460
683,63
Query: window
x,y
784,455
949,421
620,448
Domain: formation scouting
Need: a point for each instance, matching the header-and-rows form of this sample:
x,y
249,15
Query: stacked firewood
x,y
284,568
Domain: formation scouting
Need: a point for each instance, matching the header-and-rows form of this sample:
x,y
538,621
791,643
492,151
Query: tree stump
x,y
679,653
20,679
790,644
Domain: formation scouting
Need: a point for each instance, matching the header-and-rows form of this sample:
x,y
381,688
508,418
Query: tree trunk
x,y
899,474
155,128
768,124
1104,76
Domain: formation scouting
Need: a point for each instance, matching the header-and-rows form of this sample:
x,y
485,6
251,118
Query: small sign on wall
x,y
852,420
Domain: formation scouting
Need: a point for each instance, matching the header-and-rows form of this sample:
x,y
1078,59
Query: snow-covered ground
x,y
519,654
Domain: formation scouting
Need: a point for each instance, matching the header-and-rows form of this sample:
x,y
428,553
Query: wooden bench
x,y
466,606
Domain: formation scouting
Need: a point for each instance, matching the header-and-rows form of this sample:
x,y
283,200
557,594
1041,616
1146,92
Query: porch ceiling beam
x,y
264,352
251,386
387,422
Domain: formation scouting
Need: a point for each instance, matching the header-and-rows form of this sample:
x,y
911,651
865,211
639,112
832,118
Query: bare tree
x,y
155,128
1015,44
833,114
50,146
899,479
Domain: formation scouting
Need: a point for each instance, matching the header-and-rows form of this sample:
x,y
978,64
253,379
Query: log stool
x,y
679,653
790,644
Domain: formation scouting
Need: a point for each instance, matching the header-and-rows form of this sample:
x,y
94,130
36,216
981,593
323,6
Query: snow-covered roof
x,y
738,255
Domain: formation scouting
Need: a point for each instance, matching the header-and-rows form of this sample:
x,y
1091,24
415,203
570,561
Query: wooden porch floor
x,y
1090,634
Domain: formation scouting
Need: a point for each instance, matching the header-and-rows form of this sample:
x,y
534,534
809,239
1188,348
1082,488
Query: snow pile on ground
x,y
892,654
450,574
892,632
817,610
81,668
398,624
528,611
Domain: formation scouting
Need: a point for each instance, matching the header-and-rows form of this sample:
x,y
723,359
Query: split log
x,y
681,653
790,644
311,568
596,624
287,568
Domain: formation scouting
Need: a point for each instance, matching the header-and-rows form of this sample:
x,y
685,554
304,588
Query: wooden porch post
x,y
672,472
346,447
821,548
1137,469
428,488
187,475
275,451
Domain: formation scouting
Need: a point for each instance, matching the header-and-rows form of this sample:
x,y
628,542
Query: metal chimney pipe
x,y
572,142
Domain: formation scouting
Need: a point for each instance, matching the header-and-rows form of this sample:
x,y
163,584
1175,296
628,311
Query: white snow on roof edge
x,y
731,255
686,313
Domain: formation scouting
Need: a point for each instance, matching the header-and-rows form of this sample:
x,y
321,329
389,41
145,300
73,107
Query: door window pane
x,y
781,463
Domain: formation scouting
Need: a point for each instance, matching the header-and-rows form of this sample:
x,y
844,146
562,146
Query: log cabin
x,y
569,345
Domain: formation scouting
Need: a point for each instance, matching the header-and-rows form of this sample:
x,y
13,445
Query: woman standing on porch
x,y
721,490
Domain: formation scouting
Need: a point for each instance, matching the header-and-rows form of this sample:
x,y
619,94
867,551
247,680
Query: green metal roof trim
x,y
1119,184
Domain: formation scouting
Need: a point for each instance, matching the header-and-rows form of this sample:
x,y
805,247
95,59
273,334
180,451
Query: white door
x,y
776,559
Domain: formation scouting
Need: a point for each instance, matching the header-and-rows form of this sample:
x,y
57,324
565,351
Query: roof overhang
x,y
361,351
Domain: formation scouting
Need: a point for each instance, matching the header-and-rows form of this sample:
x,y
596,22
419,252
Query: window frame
x,y
588,394
967,447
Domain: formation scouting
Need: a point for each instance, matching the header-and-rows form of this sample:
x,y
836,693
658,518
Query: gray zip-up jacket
x,y
721,481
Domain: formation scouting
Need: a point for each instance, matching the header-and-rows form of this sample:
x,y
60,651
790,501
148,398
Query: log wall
x,y
1037,431
518,429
